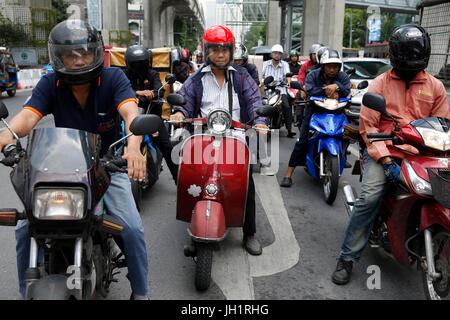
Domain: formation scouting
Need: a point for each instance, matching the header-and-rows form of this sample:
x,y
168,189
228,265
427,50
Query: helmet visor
x,y
76,58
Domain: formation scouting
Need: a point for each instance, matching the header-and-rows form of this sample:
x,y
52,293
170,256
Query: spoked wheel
x,y
331,179
438,289
204,265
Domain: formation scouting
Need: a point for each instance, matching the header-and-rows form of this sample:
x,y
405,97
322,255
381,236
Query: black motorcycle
x,y
61,180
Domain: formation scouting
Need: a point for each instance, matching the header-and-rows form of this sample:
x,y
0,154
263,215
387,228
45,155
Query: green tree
x,y
11,33
186,33
254,34
61,10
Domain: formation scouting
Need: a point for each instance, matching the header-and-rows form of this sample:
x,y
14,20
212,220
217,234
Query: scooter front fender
x,y
332,145
208,222
434,213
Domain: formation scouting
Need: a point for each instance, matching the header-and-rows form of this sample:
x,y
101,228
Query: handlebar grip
x,y
380,135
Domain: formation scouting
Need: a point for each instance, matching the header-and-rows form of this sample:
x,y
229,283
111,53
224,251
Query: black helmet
x,y
409,48
71,40
137,59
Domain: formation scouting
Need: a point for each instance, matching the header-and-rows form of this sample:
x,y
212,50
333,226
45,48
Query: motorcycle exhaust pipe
x,y
350,199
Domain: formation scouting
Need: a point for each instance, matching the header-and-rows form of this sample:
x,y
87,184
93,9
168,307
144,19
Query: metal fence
x,y
435,18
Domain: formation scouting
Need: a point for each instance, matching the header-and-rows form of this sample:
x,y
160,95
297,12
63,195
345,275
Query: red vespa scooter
x,y
212,184
413,225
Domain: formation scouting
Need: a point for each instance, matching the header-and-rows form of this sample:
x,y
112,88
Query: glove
x,y
392,172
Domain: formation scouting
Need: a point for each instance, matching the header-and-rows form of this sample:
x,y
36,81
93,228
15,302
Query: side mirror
x,y
145,124
170,78
289,74
362,85
375,102
268,80
297,85
350,71
3,111
176,99
266,111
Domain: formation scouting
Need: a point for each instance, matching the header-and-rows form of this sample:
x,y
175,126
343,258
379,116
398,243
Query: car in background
x,y
46,69
365,69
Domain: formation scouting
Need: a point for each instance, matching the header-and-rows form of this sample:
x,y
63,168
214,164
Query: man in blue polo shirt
x,y
84,95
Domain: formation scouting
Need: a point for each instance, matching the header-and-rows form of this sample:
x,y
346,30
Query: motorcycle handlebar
x,y
380,135
115,165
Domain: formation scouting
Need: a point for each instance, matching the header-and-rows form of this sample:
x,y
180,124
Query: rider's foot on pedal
x,y
286,182
347,165
291,134
252,245
342,273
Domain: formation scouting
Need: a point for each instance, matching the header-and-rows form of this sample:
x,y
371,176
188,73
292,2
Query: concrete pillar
x,y
323,22
273,23
114,17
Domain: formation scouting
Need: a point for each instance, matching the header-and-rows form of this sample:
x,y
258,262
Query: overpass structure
x,y
159,16
322,20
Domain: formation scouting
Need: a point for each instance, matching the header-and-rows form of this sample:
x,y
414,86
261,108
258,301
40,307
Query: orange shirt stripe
x,y
35,111
125,101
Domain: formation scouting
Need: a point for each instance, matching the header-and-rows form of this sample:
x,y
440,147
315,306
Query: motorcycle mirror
x,y
362,85
297,85
266,111
375,102
176,99
170,78
145,124
268,80
350,71
3,111
289,74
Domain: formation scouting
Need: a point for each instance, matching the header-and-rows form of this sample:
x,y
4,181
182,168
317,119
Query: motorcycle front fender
x,y
332,145
208,222
434,213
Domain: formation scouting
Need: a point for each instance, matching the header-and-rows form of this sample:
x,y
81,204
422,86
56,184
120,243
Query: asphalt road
x,y
300,233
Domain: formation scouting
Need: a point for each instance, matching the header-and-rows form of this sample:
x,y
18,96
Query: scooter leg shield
x,y
435,213
208,221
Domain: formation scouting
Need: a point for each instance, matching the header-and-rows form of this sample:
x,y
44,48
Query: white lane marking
x,y
233,268
284,252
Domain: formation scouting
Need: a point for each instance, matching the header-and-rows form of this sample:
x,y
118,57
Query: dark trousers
x,y
287,112
298,155
249,227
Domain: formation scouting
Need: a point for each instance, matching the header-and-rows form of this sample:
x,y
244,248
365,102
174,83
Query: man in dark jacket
x,y
328,81
241,59
207,88
145,82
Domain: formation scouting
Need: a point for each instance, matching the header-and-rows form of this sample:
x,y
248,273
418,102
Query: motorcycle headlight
x,y
219,121
211,189
435,139
420,185
274,99
330,104
59,204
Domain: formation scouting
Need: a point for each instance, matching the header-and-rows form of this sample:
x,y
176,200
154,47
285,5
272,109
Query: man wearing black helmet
x,y
84,95
410,94
145,82
328,81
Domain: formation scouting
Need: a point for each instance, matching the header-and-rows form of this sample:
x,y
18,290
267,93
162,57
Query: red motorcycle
x,y
413,224
212,184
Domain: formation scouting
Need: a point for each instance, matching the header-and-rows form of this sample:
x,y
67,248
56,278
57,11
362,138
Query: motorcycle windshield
x,y
435,123
61,150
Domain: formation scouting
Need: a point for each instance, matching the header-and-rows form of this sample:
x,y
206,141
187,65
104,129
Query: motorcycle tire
x,y
11,93
331,179
204,265
438,289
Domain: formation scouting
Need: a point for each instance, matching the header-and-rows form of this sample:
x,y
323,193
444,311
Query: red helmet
x,y
218,36
184,55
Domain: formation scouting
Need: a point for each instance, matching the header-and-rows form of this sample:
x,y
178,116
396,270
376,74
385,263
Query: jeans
x,y
120,204
373,186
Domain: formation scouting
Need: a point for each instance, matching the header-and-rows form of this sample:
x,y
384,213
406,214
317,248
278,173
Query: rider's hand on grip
x,y
177,116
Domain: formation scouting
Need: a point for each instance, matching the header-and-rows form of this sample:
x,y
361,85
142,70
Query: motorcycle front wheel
x,y
331,179
204,265
438,289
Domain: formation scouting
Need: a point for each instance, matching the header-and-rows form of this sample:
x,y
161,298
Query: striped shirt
x,y
215,97
278,73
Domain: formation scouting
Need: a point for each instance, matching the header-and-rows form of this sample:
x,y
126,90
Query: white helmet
x,y
277,48
330,56
315,47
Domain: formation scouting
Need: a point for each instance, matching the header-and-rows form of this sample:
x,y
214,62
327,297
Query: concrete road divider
x,y
28,78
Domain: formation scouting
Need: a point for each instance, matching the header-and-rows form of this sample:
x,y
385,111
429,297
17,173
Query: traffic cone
x,y
19,87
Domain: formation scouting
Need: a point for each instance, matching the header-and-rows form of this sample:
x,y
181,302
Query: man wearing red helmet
x,y
208,87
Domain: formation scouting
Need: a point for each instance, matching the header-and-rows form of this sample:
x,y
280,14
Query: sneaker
x,y
291,134
343,272
138,297
286,182
347,165
252,245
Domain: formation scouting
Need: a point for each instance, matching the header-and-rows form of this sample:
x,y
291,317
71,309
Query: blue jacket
x,y
253,71
248,94
315,81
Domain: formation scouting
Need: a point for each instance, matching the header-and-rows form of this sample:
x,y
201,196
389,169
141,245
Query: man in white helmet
x,y
278,69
